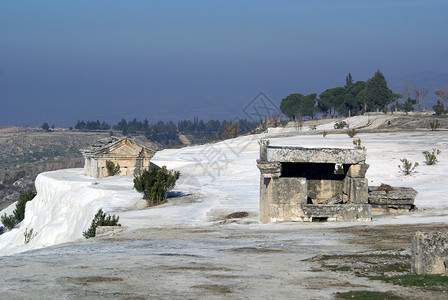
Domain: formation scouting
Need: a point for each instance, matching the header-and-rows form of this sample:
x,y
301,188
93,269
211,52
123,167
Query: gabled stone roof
x,y
110,146
100,145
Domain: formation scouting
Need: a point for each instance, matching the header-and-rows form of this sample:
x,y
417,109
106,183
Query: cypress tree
x,y
377,95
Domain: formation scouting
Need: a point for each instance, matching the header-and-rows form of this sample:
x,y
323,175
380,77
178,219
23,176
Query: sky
x,y
63,61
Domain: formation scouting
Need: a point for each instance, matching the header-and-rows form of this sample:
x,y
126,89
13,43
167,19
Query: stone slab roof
x,y
312,155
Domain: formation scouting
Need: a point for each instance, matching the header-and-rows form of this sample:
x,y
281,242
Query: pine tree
x,y
45,126
19,212
155,183
348,81
100,219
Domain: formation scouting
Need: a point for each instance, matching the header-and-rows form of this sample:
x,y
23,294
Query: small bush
x,y
264,143
324,133
313,127
406,166
100,219
434,125
28,235
155,183
340,125
352,132
19,212
431,157
112,169
357,143
8,221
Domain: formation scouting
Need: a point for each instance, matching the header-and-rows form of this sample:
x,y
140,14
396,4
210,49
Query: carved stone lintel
x,y
269,169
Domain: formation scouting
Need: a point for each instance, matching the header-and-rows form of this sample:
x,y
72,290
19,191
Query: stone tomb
x,y
131,157
430,253
304,184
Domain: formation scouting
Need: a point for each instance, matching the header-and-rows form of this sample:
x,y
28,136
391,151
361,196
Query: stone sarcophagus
x,y
304,184
131,157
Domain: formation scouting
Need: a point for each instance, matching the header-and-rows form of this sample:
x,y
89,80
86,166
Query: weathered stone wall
x,y
430,253
265,199
128,166
287,196
91,167
343,213
322,190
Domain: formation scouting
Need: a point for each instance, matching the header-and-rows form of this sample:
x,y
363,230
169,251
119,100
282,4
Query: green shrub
x,y
155,183
434,125
406,166
28,235
352,132
431,157
19,212
357,143
340,125
100,219
112,169
8,221
264,143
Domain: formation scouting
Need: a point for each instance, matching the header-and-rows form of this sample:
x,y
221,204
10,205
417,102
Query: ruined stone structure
x,y
429,253
131,157
391,199
302,184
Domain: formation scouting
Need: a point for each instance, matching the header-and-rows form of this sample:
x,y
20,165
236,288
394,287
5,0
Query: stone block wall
x,y
430,253
342,213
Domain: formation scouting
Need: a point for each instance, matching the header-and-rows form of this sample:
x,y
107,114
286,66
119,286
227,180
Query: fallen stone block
x,y
107,230
429,253
399,198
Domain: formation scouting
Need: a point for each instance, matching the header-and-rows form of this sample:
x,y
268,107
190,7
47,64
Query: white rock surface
x,y
64,207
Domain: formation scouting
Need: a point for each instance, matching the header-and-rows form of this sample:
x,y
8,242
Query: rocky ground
x,y
226,261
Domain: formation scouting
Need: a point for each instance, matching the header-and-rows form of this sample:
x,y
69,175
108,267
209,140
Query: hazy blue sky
x,y
61,61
